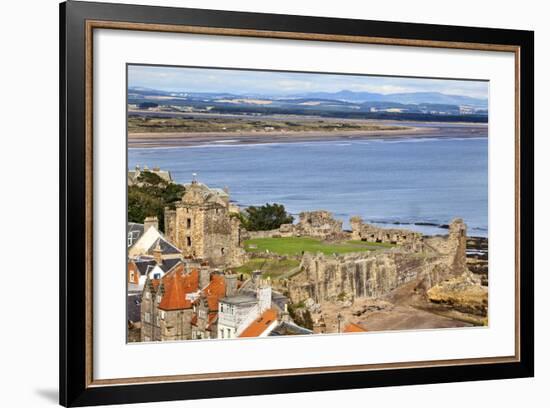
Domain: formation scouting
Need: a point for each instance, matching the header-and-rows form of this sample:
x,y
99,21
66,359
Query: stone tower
x,y
201,225
457,246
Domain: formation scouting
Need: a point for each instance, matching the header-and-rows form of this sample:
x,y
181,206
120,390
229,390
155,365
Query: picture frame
x,y
79,20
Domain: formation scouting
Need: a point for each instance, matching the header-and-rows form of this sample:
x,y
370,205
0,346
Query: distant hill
x,y
343,104
402,98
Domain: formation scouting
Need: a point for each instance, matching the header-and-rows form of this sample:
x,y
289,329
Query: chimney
x,y
256,277
149,222
285,316
157,253
204,276
264,295
230,284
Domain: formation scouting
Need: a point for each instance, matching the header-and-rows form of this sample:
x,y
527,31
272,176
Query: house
x,y
204,324
152,240
134,231
143,267
236,313
183,304
167,305
262,326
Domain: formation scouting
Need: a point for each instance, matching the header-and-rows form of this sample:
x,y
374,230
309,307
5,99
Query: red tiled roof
x,y
176,286
212,318
353,328
214,291
258,326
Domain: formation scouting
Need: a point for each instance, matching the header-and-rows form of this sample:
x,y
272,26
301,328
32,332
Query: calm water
x,y
413,180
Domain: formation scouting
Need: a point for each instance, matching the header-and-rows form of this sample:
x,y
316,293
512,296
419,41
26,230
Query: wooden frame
x,y
77,22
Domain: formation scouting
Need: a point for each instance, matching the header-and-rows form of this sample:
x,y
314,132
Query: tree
x,y
151,197
265,217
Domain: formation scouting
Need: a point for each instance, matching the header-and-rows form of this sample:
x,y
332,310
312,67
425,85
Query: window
x,y
147,317
131,276
159,298
223,251
188,241
162,314
188,222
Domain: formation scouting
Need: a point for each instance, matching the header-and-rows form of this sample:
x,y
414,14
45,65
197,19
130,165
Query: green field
x,y
228,125
297,245
272,268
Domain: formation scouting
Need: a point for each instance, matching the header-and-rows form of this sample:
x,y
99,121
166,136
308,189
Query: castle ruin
x,y
374,274
203,226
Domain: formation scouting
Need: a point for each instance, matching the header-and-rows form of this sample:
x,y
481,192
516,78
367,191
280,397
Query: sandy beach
x,y
186,139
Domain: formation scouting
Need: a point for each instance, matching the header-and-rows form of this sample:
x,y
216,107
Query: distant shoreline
x,y
173,139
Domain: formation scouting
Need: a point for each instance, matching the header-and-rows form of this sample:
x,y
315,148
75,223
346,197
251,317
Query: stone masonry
x,y
203,227
374,274
371,233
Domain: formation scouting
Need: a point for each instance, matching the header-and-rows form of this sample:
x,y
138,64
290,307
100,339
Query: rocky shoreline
x,y
477,257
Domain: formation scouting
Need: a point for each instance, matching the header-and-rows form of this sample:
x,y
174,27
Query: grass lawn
x,y
272,268
297,245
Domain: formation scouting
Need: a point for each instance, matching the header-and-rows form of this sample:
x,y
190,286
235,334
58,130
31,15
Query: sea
x,y
415,183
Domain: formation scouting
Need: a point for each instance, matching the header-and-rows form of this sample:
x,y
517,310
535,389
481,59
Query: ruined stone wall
x,y
276,233
319,224
371,233
316,224
374,274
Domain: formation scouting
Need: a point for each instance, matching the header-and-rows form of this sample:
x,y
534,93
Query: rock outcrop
x,y
462,293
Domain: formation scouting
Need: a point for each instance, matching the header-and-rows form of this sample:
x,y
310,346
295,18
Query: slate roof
x,y
239,299
134,226
133,307
146,264
289,329
135,231
146,244
165,246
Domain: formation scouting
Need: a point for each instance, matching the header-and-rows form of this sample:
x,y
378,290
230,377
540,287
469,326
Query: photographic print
x,y
272,203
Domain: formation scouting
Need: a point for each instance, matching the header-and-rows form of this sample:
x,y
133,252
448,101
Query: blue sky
x,y
280,83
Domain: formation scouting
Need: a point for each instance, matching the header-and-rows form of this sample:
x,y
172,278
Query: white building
x,y
236,313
